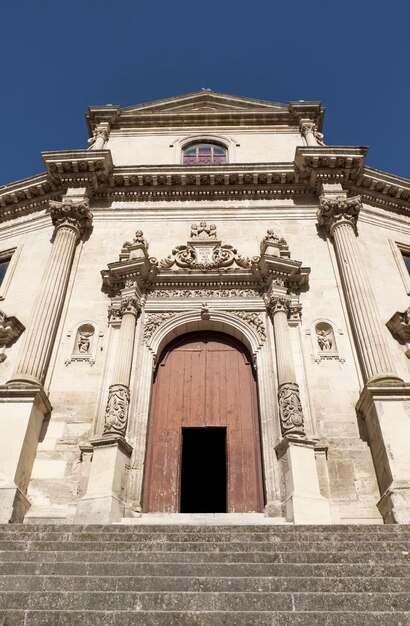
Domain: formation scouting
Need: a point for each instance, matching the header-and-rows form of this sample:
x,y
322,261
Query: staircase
x,y
118,575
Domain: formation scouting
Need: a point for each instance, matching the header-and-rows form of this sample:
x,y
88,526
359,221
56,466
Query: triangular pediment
x,y
205,101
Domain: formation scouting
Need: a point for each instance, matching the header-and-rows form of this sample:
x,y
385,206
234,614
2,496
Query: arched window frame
x,y
229,143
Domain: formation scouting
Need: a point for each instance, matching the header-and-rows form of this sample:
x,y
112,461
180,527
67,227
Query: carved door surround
x,y
204,284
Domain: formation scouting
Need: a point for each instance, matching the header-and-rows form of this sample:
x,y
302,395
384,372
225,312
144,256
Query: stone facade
x,y
295,248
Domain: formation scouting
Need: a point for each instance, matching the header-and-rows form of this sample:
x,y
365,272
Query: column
x,y
303,501
70,218
24,406
339,214
309,131
385,400
103,503
100,136
116,414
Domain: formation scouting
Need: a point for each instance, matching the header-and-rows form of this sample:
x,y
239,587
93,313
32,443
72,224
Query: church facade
x,y
205,311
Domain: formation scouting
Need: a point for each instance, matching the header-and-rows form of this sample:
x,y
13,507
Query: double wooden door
x,y
204,380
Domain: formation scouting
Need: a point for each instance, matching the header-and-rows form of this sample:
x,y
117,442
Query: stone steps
x,y
186,575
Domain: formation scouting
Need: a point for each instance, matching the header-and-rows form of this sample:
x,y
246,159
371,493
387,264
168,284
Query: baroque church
x,y
205,311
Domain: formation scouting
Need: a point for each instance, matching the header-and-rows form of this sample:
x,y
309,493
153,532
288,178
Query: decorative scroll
x,y
204,252
254,319
152,321
116,413
290,410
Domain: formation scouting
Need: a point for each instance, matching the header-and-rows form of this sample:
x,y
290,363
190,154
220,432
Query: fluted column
x,y
339,214
290,408
116,413
70,218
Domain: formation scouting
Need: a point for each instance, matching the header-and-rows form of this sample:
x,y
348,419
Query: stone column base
x,y
303,503
386,411
103,504
23,411
14,504
394,505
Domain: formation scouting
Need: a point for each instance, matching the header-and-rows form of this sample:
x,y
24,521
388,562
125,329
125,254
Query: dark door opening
x,y
203,470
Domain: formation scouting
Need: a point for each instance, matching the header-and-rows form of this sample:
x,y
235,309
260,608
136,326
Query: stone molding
x,y
73,214
338,210
77,168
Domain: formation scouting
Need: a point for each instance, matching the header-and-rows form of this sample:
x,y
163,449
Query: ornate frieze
x,y
290,410
205,293
116,412
254,320
71,213
338,210
153,321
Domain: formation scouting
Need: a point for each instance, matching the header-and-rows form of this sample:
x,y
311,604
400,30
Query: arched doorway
x,y
203,452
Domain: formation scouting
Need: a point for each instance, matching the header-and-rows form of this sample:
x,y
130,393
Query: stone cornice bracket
x,y
78,168
134,268
332,164
338,210
399,326
274,265
74,214
10,330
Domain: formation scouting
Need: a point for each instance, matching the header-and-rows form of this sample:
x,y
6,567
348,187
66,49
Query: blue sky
x,y
57,58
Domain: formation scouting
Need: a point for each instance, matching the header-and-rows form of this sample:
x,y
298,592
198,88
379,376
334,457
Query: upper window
x,y
406,259
204,154
4,264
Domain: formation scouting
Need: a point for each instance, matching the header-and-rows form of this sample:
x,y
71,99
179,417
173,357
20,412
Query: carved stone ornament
x,y
290,410
254,320
308,126
205,293
116,412
339,210
204,252
71,213
153,321
139,239
130,304
10,330
399,326
278,304
101,131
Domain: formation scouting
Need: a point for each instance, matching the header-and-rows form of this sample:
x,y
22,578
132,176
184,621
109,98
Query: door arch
x,y
204,381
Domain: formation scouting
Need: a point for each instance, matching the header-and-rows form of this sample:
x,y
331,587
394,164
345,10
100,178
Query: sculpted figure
x,y
324,339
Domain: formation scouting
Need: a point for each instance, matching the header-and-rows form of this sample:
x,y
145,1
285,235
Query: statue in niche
x,y
85,332
325,337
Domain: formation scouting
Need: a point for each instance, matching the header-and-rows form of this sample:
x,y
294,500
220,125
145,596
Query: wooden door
x,y
204,379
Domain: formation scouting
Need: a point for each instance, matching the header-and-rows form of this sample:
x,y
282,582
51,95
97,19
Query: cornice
x,y
257,181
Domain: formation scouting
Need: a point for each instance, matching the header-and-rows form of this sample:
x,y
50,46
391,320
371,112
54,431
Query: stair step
x,y
202,618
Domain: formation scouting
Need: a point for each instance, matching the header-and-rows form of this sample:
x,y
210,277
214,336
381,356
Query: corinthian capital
x,y
278,304
338,210
73,214
130,304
